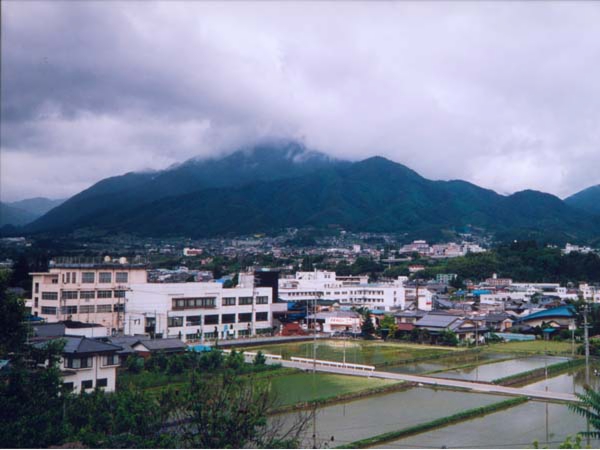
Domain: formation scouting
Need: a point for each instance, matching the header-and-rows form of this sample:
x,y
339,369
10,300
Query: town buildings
x,y
90,291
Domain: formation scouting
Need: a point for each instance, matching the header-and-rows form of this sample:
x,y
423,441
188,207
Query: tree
x,y
589,407
448,337
13,330
388,323
367,328
229,412
259,359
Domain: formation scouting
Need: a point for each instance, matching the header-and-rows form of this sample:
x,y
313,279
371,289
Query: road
x,y
469,385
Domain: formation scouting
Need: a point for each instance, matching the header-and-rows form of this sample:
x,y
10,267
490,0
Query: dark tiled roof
x,y
49,330
436,321
163,344
82,345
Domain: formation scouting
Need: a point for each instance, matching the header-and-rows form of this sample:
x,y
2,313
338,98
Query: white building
x,y
87,364
199,311
92,292
308,286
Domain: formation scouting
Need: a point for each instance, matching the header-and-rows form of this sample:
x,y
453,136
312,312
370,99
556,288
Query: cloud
x,y
501,94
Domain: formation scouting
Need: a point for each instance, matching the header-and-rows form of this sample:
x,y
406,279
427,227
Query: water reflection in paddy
x,y
489,372
517,427
367,417
569,382
446,362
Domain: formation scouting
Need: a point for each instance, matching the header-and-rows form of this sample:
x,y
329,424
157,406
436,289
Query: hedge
x,y
437,423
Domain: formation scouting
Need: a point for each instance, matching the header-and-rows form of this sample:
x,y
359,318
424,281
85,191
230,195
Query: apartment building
x,y
196,312
356,291
86,291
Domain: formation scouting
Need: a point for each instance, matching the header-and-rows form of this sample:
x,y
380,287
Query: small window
x,y
245,300
104,308
104,294
193,320
262,300
262,316
111,360
88,277
68,386
87,384
87,295
212,319
105,277
228,301
101,382
122,277
119,294
49,310
228,318
244,317
49,295
175,321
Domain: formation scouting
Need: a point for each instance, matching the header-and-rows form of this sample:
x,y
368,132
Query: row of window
x,y
87,362
87,384
83,309
86,295
215,319
104,277
211,302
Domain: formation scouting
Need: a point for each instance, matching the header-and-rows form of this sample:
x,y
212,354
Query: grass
x,y
437,423
533,347
357,351
302,387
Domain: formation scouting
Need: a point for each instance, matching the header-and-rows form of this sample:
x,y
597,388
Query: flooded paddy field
x,y
375,353
359,419
451,361
517,427
489,372
569,382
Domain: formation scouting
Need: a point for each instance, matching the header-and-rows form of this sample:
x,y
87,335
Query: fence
x,y
321,362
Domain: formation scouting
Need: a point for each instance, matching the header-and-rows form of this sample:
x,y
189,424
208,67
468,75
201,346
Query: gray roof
x,y
162,344
436,321
327,314
49,330
125,342
82,345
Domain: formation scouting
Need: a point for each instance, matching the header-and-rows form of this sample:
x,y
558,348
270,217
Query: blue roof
x,y
561,311
481,291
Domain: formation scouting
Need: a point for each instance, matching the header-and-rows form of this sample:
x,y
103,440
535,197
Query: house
x,y
559,317
466,329
498,321
331,321
148,347
69,328
87,363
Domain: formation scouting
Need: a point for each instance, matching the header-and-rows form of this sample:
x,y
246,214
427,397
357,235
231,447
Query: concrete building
x,y
332,321
196,312
90,291
347,291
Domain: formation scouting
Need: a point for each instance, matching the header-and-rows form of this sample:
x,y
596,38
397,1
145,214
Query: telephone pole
x,y
587,344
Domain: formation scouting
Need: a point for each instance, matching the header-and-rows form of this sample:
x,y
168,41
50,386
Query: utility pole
x,y
587,344
315,369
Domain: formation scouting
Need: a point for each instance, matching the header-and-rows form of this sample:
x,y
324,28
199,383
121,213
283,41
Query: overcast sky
x,y
502,94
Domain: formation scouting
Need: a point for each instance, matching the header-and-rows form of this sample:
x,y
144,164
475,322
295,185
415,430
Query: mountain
x,y
267,161
586,200
9,215
37,206
25,211
265,190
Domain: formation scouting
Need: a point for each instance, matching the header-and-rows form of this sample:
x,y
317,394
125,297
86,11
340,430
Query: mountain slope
x,y
37,206
267,161
9,215
586,200
371,195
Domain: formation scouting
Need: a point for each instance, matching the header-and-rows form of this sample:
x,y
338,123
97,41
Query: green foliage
x,y
367,328
259,359
134,364
448,337
13,330
388,322
589,407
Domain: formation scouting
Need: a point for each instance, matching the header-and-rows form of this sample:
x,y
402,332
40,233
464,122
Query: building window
x,y
211,319
228,301
193,320
37,288
119,294
122,277
119,307
69,309
228,318
54,280
49,295
243,333
104,294
87,294
192,336
244,317
87,384
245,300
210,335
105,277
68,386
262,316
69,295
101,382
86,309
111,360
104,308
176,321
49,310
74,277
78,363
35,300
262,300
193,303
88,277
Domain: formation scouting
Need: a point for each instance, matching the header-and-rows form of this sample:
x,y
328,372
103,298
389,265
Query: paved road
x,y
479,387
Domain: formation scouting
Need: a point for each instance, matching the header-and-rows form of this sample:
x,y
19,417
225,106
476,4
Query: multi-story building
x,y
200,311
310,286
92,292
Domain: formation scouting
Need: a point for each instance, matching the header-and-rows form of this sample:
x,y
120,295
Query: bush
x,y
259,359
134,364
